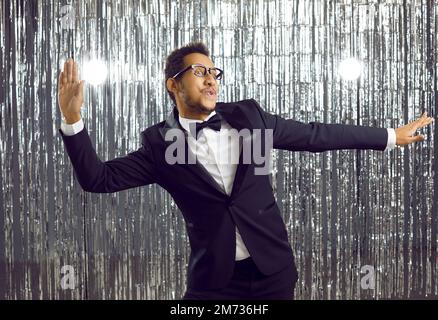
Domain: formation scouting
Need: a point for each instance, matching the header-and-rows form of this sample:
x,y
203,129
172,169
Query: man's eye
x,y
199,72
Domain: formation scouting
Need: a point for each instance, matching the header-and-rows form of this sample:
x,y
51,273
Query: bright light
x,y
94,72
350,69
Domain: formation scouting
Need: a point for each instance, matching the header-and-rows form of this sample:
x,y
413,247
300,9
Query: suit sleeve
x,y
293,135
129,171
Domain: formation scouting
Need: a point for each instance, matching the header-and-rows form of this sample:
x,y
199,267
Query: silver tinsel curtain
x,y
350,214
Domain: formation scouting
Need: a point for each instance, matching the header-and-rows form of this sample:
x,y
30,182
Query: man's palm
x,y
70,91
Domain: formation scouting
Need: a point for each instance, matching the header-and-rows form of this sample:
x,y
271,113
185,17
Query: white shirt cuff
x,y
72,129
391,139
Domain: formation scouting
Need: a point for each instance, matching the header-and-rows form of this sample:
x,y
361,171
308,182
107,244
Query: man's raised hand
x,y
70,92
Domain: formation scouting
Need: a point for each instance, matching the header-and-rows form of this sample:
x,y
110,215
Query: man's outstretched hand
x,y
404,134
70,92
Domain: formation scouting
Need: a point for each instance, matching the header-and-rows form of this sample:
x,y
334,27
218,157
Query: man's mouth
x,y
209,92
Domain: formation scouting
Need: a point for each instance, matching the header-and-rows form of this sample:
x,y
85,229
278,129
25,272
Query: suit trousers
x,y
248,283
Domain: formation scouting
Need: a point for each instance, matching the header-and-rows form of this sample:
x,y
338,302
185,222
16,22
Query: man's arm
x,y
293,135
134,169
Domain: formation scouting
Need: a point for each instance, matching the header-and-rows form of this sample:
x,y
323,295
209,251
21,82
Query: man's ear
x,y
171,85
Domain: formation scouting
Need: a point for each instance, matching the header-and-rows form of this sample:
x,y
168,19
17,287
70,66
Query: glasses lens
x,y
214,72
199,71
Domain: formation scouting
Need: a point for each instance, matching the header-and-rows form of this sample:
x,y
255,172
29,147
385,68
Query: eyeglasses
x,y
200,70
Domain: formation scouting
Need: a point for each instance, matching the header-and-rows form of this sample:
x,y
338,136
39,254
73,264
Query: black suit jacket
x,y
210,214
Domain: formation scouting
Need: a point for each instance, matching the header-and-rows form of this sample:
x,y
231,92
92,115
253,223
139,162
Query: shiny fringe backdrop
x,y
352,216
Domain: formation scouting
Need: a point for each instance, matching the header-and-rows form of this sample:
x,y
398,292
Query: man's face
x,y
195,96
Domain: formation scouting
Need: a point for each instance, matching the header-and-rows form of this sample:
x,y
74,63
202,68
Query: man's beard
x,y
197,107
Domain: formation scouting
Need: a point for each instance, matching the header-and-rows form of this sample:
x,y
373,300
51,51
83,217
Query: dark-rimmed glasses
x,y
200,70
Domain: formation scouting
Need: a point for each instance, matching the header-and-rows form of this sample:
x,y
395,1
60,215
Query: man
x,y
239,243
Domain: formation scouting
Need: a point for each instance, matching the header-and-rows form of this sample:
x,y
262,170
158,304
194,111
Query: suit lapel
x,y
235,117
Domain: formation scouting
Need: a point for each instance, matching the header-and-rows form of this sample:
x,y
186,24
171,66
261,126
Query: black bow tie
x,y
214,123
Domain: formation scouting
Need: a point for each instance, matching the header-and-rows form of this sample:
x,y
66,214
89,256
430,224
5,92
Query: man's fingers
x,y
61,79
422,121
420,118
75,72
80,89
416,138
414,126
426,121
406,133
69,70
70,74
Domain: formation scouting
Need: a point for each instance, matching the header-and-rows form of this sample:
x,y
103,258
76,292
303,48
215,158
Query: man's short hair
x,y
175,60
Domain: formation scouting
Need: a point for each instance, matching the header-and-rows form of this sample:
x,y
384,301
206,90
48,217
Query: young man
x,y
239,243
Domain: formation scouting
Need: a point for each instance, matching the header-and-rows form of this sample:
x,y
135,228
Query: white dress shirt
x,y
212,154
209,149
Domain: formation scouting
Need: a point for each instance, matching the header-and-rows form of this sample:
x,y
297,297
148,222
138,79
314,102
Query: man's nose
x,y
209,78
